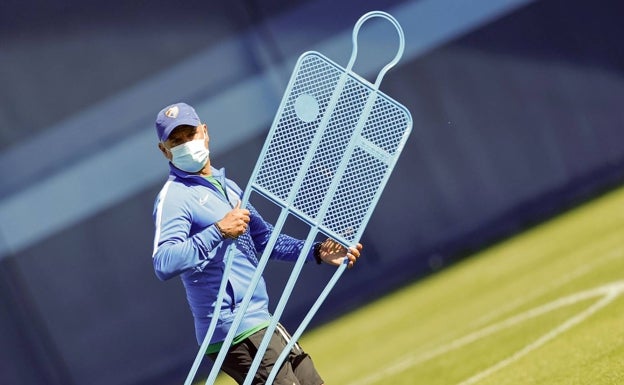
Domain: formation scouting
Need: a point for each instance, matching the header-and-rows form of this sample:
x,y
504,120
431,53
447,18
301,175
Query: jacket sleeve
x,y
286,247
174,250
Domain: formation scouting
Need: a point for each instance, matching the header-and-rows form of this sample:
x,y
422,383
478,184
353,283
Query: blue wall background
x,y
517,109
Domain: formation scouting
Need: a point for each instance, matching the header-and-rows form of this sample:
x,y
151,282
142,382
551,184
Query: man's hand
x,y
334,253
234,223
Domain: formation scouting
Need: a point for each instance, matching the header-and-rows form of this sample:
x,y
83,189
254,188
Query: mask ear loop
x,y
399,53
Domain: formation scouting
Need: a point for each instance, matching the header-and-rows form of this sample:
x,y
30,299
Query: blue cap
x,y
170,117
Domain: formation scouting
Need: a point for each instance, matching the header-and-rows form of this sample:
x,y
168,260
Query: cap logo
x,y
172,112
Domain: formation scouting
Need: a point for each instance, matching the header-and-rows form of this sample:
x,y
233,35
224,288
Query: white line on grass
x,y
609,293
567,278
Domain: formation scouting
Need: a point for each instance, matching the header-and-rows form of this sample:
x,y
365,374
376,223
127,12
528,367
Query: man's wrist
x,y
317,253
223,234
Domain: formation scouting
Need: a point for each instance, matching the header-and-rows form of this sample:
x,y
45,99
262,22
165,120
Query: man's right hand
x,y
234,223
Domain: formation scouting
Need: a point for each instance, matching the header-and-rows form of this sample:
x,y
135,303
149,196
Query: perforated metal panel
x,y
332,147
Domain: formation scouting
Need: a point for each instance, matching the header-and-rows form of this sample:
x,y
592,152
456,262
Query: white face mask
x,y
190,156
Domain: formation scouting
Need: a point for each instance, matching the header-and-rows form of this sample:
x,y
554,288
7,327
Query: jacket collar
x,y
218,174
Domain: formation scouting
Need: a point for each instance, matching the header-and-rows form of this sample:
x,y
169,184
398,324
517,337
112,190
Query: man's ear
x,y
165,151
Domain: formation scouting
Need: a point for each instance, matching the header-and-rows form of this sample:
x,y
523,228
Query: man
x,y
198,214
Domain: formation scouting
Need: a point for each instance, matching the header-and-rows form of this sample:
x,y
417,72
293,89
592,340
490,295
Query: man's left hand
x,y
334,253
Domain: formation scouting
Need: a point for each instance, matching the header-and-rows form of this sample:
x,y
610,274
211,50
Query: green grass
x,y
458,326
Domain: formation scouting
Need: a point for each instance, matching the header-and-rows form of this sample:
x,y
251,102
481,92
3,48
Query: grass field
x,y
545,307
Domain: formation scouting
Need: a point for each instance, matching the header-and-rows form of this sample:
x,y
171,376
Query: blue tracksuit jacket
x,y
187,243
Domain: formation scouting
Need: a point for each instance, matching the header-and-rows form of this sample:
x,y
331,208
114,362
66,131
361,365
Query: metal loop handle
x,y
356,31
